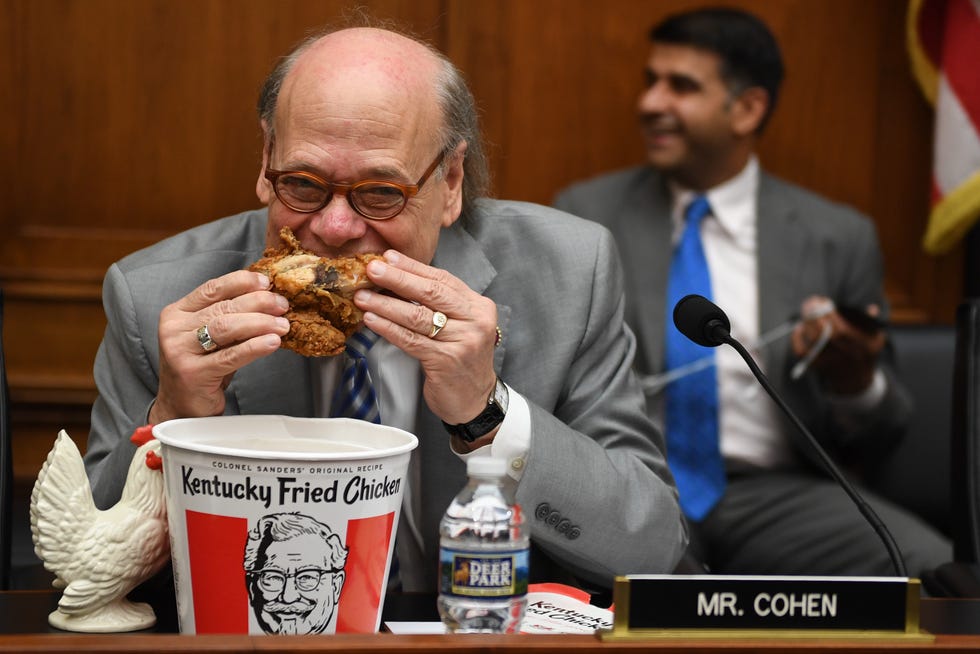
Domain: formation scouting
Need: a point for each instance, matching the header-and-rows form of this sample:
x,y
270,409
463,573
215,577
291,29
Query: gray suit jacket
x,y
806,245
597,491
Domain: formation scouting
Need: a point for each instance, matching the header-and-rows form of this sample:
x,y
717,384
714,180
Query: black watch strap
x,y
488,420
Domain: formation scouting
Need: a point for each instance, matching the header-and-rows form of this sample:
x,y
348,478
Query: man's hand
x,y
458,361
243,318
847,363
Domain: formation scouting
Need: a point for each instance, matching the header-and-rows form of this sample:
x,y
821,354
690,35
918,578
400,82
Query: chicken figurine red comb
x,y
142,436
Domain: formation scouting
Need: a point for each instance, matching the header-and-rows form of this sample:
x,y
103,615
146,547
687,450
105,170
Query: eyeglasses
x,y
306,193
273,581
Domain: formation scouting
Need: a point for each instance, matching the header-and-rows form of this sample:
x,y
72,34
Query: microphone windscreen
x,y
697,317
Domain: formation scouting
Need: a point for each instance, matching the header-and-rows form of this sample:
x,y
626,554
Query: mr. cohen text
x,y
778,605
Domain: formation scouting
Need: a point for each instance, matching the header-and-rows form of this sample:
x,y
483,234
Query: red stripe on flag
x,y
368,540
216,545
935,193
961,56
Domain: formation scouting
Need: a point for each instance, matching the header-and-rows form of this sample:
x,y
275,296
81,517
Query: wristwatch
x,y
491,416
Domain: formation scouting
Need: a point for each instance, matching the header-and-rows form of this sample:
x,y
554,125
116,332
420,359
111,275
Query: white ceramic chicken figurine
x,y
98,557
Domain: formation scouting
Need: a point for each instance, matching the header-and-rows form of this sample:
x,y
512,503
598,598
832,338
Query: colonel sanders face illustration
x,y
294,570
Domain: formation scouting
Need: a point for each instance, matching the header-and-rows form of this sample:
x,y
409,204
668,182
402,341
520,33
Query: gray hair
x,y
278,527
460,116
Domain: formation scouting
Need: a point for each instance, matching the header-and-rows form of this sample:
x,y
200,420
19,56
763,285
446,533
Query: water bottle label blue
x,y
483,574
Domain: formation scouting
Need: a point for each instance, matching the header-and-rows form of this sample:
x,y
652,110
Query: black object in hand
x,y
860,318
706,324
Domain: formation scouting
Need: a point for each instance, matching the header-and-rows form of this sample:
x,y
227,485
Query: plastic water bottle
x,y
483,554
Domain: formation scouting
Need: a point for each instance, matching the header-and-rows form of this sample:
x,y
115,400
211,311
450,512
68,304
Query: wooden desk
x,y
24,628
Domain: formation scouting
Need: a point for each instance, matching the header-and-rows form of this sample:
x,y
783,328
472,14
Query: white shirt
x,y
749,423
397,380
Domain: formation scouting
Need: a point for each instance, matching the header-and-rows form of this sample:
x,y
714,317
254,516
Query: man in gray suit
x,y
532,362
774,252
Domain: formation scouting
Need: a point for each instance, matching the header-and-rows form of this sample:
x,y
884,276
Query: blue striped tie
x,y
691,402
355,396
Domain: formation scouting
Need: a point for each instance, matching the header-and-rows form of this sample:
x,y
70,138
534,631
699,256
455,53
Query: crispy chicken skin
x,y
321,315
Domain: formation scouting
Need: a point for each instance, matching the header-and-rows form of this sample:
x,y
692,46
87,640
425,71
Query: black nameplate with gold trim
x,y
702,605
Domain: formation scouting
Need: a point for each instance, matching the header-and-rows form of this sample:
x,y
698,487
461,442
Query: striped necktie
x,y
355,396
691,402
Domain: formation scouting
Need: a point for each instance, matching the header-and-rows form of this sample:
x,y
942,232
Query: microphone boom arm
x,y
722,335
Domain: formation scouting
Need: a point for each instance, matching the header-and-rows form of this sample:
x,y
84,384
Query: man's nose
x,y
289,592
337,222
654,99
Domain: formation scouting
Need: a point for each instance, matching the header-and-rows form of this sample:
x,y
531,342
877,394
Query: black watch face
x,y
486,421
465,434
491,416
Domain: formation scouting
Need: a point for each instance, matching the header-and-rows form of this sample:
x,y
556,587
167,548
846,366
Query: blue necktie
x,y
355,396
691,402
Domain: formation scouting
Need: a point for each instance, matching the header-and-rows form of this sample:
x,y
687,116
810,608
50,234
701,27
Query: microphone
x,y
702,321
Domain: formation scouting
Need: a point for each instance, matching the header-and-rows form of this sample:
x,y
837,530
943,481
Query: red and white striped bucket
x,y
282,525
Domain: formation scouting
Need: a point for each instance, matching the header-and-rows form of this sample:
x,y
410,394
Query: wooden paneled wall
x,y
127,120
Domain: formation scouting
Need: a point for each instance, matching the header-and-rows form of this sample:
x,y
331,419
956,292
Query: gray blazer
x,y
596,461
806,245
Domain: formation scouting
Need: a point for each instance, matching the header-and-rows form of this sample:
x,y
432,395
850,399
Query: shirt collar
x,y
733,202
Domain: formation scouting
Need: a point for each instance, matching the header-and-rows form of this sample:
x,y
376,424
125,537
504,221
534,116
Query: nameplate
x,y
722,606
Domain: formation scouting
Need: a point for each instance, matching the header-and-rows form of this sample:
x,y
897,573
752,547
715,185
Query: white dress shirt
x,y
397,380
749,424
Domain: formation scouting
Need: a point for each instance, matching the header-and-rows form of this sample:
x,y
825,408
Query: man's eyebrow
x,y
380,173
684,81
672,76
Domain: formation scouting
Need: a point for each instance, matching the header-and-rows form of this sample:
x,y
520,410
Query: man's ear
x,y
453,179
263,189
749,110
338,584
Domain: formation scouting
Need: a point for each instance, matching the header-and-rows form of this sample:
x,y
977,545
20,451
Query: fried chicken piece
x,y
322,314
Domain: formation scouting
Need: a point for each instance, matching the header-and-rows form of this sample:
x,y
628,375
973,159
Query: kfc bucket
x,y
279,524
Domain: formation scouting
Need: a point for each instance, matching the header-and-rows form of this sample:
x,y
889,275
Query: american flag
x,y
944,46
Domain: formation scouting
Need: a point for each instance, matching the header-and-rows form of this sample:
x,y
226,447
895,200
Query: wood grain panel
x,y
132,120
558,81
135,120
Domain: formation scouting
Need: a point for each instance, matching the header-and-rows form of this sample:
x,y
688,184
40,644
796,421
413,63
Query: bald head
x,y
363,74
389,72
402,62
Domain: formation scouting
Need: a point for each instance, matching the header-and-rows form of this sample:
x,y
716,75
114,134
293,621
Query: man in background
x,y
703,217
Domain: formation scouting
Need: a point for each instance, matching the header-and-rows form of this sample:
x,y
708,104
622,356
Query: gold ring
x,y
498,336
439,321
204,338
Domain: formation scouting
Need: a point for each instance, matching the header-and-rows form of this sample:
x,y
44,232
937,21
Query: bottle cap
x,y
485,466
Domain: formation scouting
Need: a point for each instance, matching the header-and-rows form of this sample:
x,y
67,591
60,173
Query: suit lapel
x,y
783,245
443,475
460,254
277,384
647,251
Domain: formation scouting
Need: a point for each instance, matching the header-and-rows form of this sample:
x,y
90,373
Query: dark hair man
x,y
765,250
